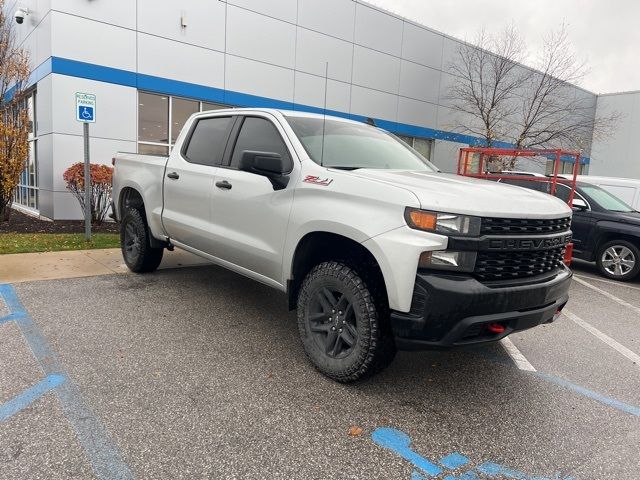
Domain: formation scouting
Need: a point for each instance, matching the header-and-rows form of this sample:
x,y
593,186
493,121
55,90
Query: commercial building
x,y
152,63
615,155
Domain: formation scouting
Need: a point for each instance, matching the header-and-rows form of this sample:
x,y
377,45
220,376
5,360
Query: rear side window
x,y
208,139
260,135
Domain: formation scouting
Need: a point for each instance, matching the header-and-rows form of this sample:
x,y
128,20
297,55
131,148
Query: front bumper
x,y
450,309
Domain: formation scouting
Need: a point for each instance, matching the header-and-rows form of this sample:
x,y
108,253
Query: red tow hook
x,y
495,328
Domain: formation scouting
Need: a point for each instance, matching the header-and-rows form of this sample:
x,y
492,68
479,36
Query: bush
x,y
101,178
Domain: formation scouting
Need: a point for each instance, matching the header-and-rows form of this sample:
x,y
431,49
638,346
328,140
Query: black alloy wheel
x,y
343,321
332,322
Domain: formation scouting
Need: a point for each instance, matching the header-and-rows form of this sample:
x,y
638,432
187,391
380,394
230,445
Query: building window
x,y
160,119
422,145
566,168
26,193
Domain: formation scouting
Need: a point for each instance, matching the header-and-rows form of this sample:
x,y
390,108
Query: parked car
x,y
605,229
626,189
374,247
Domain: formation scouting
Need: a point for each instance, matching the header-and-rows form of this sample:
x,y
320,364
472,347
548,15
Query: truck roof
x,y
286,113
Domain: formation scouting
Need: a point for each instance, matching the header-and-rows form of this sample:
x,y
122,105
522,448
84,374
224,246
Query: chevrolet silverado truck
x,y
374,247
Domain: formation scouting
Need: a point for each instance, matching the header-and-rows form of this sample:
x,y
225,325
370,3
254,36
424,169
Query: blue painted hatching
x,y
453,461
106,460
400,443
30,395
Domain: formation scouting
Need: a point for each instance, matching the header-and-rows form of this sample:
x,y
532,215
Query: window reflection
x,y
181,110
161,118
153,118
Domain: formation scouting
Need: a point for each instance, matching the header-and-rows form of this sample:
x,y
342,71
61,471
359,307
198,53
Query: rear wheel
x,y
619,260
342,326
135,243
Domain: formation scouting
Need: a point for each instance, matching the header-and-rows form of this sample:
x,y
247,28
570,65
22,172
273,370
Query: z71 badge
x,y
317,180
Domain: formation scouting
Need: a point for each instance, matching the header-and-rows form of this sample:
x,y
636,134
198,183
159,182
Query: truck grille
x,y
523,226
492,266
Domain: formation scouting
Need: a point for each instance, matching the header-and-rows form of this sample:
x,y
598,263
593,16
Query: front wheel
x,y
342,326
619,260
135,242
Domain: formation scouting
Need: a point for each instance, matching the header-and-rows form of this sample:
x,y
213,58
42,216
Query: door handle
x,y
224,184
173,175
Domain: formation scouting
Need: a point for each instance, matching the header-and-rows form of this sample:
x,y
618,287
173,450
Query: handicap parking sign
x,y
85,107
85,113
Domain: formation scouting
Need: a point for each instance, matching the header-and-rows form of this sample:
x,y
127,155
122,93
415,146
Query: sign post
x,y
86,113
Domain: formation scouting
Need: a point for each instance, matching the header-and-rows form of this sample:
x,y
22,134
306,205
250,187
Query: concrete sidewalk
x,y
26,267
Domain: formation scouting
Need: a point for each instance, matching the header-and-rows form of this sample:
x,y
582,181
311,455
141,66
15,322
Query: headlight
x,y
443,223
448,260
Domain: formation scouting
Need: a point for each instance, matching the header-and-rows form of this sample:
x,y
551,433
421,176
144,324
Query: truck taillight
x,y
568,253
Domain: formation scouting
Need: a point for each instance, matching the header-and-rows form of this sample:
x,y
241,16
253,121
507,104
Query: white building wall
x,y
617,154
380,66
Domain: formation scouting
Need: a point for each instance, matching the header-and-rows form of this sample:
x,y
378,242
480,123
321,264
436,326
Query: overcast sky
x,y
605,33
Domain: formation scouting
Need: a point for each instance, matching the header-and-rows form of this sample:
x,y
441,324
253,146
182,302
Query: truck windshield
x,y
351,146
606,200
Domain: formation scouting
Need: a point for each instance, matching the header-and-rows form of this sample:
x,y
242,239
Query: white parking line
x,y
635,358
619,301
612,282
516,355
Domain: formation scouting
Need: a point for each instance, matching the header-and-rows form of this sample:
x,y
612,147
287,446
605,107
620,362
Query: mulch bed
x,y
21,223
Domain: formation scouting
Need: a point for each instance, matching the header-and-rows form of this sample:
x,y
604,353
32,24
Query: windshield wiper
x,y
338,167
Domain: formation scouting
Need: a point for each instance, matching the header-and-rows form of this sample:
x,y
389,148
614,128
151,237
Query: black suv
x,y
605,229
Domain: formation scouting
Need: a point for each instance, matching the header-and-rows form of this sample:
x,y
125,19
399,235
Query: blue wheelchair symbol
x,y
450,467
85,113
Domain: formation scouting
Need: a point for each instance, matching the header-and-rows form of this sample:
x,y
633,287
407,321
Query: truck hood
x,y
457,194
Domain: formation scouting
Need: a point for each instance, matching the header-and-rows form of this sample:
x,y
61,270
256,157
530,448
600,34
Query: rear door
x,y
250,217
189,182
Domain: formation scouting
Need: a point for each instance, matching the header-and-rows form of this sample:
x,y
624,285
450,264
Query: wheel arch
x,y
610,236
319,246
130,197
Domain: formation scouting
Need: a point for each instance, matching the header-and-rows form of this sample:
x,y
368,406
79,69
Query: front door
x,y
250,217
581,222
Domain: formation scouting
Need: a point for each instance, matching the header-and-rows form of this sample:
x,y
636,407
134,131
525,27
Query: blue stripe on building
x,y
150,83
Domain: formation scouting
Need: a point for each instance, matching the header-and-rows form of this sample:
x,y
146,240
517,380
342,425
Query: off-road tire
x,y
137,252
374,348
635,253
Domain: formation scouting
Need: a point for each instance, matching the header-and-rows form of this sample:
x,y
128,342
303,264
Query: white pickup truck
x,y
376,248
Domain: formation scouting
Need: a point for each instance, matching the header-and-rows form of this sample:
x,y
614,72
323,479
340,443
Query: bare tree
x,y
486,83
496,97
14,123
553,113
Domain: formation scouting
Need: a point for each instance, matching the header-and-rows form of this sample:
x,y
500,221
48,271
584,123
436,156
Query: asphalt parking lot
x,y
198,373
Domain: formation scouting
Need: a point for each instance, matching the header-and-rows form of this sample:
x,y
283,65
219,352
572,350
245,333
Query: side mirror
x,y
579,205
267,164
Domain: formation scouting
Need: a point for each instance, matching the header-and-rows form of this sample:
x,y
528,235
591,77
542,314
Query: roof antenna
x,y
324,111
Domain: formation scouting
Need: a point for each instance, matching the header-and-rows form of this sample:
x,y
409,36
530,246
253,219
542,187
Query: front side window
x,y
207,142
259,134
563,191
347,145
